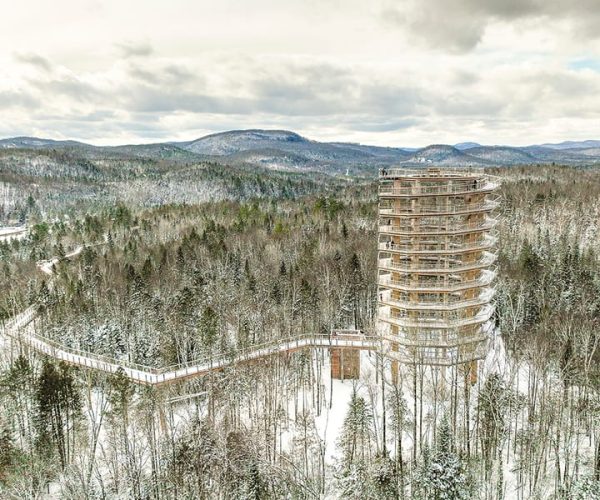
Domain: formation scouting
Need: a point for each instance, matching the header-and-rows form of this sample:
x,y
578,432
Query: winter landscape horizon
x,y
300,250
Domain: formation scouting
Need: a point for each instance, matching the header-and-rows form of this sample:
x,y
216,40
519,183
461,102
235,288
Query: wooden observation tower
x,y
436,264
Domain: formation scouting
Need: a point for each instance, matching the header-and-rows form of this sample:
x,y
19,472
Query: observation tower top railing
x,y
434,173
434,182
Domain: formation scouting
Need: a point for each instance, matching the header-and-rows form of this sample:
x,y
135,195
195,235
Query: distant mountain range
x,y
573,145
285,150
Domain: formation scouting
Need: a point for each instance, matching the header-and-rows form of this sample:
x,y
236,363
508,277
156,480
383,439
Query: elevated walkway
x,y
20,328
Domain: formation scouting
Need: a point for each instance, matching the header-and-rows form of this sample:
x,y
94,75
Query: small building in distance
x,y
436,264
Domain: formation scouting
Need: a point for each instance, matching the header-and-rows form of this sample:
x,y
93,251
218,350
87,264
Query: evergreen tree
x,y
8,453
357,432
58,409
442,477
209,327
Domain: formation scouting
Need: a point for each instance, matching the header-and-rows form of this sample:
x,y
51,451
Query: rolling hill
x,y
284,150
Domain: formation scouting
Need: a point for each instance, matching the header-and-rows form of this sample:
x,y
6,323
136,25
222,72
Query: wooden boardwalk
x,y
21,329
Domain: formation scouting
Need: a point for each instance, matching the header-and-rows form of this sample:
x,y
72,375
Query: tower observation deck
x,y
436,264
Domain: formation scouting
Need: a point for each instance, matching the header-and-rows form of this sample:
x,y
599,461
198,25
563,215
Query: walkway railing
x,y
7,234
452,302
418,247
387,226
439,285
21,328
423,210
469,186
483,315
442,265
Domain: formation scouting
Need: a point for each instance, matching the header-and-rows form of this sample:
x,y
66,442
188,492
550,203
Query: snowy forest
x,y
165,282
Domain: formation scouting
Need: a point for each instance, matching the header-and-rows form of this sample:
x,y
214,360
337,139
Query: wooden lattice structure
x,y
436,264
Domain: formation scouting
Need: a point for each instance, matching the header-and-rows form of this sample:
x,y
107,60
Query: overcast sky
x,y
397,73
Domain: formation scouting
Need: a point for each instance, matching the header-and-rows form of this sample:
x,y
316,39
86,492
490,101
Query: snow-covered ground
x,y
47,266
338,393
328,417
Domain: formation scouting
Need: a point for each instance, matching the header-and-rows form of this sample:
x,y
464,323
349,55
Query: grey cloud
x,y
288,90
311,90
459,25
11,99
70,87
180,74
463,78
433,28
565,84
303,81
390,99
97,116
34,60
301,96
135,49
153,100
527,94
291,98
367,124
170,74
145,75
318,90
467,105
514,9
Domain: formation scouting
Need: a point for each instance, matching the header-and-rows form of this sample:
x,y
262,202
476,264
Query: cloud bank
x,y
398,74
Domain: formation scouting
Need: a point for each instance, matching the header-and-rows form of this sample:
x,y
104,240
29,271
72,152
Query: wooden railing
x,y
448,265
483,315
419,210
22,329
424,247
424,229
451,302
408,283
9,233
480,185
